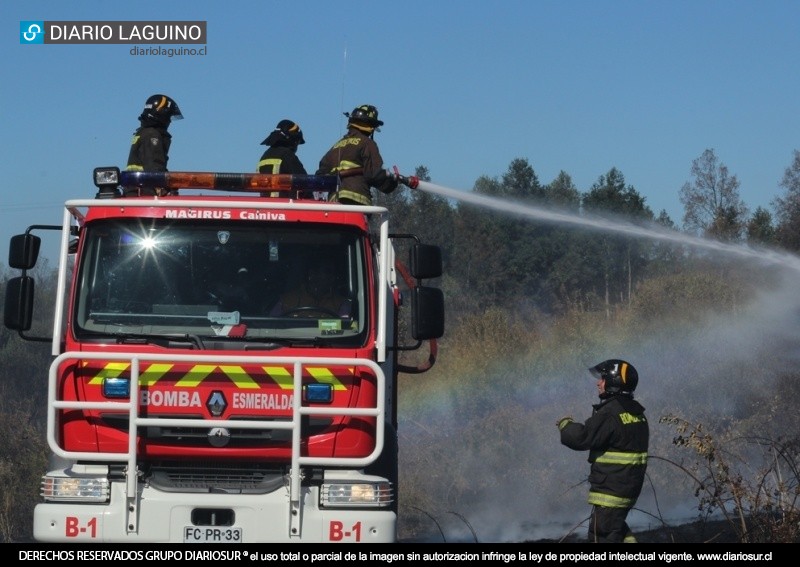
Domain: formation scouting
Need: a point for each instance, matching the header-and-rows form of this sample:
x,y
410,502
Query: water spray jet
x,y
654,232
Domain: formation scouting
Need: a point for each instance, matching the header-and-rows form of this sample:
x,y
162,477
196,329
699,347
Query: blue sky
x,y
463,87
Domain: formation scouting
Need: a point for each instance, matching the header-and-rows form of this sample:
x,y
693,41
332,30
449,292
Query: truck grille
x,y
198,436
216,478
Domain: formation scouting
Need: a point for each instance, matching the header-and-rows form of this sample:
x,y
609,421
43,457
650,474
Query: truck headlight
x,y
356,495
75,489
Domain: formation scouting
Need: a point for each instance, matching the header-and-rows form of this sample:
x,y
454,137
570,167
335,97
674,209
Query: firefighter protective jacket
x,y
617,437
358,162
149,149
280,159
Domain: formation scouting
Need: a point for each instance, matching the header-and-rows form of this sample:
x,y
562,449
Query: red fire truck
x,y
203,387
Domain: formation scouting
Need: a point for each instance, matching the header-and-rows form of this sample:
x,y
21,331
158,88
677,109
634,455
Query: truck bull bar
x,y
135,421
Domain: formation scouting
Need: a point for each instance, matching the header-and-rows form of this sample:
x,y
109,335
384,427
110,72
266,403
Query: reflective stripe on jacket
x,y
149,149
280,159
358,162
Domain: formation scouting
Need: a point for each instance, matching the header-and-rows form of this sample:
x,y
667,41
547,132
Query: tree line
x,y
494,259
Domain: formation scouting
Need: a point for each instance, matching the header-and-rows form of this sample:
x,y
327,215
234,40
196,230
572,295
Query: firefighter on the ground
x,y
356,159
281,153
151,140
617,438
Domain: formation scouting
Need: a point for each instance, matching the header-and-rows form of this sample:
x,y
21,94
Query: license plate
x,y
211,534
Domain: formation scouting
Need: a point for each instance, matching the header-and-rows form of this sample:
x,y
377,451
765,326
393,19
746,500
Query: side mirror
x,y
427,306
24,251
18,315
425,261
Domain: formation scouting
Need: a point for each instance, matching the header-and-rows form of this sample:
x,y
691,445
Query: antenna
x,y
341,103
344,76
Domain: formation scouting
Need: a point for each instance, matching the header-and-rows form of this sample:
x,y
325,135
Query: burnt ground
x,y
708,531
696,532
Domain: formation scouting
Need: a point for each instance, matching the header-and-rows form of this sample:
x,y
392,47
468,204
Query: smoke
x,y
524,485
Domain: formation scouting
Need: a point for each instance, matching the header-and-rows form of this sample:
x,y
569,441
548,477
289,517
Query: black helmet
x,y
286,133
620,376
161,109
364,115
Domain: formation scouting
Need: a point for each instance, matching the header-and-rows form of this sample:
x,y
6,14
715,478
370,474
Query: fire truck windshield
x,y
222,280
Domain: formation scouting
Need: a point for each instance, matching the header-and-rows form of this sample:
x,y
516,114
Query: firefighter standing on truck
x,y
617,437
357,161
151,140
281,153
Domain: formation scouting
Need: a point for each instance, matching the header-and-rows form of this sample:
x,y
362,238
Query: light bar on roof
x,y
228,181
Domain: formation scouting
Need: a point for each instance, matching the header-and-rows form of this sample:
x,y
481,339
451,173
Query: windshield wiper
x,y
256,343
167,340
274,343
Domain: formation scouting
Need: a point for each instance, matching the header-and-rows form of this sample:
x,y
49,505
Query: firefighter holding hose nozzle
x,y
356,159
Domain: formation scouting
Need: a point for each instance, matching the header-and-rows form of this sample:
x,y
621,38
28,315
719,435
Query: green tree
x,y
478,255
619,259
665,220
430,216
759,228
524,240
567,271
521,182
666,257
562,193
498,256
